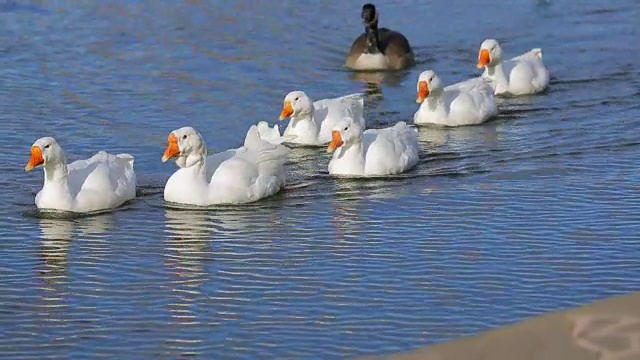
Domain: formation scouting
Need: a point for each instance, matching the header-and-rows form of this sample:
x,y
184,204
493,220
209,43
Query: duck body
x,y
236,176
272,134
378,48
374,152
102,182
311,122
525,74
393,52
469,102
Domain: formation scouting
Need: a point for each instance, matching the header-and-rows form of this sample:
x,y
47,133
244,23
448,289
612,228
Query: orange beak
x,y
36,159
483,58
287,110
172,148
336,141
423,91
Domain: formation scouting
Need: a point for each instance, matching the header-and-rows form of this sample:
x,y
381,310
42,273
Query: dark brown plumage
x,y
379,48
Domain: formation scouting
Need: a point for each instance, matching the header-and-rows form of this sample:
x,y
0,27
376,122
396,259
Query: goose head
x,y
370,21
490,53
295,104
428,84
369,16
186,146
45,151
345,133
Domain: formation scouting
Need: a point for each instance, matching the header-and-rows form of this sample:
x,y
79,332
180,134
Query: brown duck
x,y
378,48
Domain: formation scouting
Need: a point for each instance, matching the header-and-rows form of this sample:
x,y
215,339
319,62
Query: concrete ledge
x,y
605,330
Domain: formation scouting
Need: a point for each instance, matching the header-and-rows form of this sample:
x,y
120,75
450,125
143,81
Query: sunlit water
x,y
534,211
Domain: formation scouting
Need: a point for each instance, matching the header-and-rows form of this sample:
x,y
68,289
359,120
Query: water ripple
x,y
533,211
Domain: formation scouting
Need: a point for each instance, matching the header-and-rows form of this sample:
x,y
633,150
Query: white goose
x,y
468,102
311,122
102,182
374,152
249,173
521,75
272,134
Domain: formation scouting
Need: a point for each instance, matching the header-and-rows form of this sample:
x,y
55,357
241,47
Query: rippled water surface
x,y
533,211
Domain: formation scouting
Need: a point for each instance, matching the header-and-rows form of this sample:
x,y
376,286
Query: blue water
x,y
534,211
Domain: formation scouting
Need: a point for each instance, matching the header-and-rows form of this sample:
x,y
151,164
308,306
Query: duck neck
x,y
373,40
56,176
371,29
496,74
305,123
195,166
352,153
433,100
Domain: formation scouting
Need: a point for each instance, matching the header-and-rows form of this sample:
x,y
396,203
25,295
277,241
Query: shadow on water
x,y
36,213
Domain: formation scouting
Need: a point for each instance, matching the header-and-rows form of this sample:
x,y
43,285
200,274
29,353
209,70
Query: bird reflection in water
x,y
54,249
350,204
188,248
187,251
195,237
56,238
374,79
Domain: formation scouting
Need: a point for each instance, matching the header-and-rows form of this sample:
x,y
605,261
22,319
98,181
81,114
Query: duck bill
x,y
36,159
483,58
336,141
423,91
287,110
172,150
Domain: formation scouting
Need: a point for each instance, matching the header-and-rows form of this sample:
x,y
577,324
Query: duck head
x,y
186,146
490,53
295,104
428,84
45,151
345,133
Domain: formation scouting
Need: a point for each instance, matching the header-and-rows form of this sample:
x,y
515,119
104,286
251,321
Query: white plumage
x,y
246,174
521,75
468,102
311,122
374,152
102,182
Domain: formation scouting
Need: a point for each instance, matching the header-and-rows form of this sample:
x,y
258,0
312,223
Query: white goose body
x,y
374,152
311,122
272,134
468,102
102,182
247,174
525,74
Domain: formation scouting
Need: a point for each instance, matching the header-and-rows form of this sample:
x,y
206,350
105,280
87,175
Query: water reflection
x,y
347,208
187,254
54,249
56,238
351,205
374,79
302,164
460,138
188,247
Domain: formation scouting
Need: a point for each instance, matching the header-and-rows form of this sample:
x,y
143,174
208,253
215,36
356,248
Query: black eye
x,y
346,128
47,146
296,99
184,137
